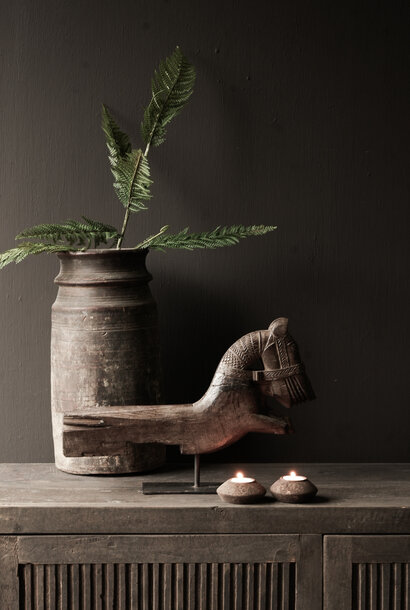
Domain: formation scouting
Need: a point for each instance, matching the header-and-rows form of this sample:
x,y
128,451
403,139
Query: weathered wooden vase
x,y
104,351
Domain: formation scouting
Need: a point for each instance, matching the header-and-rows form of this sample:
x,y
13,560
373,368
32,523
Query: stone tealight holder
x,y
293,488
241,490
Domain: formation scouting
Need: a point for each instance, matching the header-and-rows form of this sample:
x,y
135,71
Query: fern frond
x,y
172,86
118,143
132,181
18,254
71,231
217,238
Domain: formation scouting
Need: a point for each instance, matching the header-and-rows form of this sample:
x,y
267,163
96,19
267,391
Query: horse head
x,y
283,375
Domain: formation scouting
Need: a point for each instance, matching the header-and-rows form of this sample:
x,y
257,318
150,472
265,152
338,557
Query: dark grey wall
x,y
300,119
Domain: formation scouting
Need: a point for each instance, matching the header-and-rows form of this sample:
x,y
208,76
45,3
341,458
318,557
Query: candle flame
x,y
292,473
239,475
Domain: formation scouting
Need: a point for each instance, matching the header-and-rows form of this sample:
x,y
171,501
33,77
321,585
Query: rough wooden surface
x,y
185,572
366,572
352,498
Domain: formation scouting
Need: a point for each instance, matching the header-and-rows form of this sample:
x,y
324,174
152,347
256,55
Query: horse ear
x,y
279,327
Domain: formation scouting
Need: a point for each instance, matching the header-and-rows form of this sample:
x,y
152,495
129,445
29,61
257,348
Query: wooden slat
x,y
156,571
96,586
38,587
384,586
50,586
62,588
28,579
146,593
248,602
74,582
191,586
260,586
133,586
213,588
273,590
406,588
225,585
85,586
284,586
179,586
361,586
120,592
236,586
373,587
245,586
166,587
202,594
397,586
108,586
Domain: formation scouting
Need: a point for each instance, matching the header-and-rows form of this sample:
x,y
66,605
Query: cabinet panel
x,y
367,572
204,572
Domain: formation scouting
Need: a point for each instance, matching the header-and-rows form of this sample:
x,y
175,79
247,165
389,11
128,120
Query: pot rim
x,y
102,251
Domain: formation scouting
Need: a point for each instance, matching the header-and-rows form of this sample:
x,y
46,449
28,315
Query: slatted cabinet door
x,y
367,573
161,572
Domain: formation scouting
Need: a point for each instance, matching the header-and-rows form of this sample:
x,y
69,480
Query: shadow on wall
x,y
195,335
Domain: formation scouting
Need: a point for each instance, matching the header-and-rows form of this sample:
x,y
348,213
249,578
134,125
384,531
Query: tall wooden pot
x,y
104,352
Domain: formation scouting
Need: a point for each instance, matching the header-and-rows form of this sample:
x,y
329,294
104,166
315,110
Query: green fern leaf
x,y
217,238
18,254
132,181
73,232
172,86
118,143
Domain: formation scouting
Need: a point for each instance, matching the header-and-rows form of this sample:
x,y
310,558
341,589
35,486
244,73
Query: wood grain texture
x,y
104,351
352,497
9,585
366,572
192,548
170,572
234,404
300,119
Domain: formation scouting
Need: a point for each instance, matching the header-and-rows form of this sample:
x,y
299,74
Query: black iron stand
x,y
173,487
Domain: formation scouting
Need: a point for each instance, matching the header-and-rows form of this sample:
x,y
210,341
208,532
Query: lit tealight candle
x,y
294,477
293,488
239,478
241,490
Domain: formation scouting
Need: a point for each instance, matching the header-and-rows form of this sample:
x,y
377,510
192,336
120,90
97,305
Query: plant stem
x,y
127,209
124,226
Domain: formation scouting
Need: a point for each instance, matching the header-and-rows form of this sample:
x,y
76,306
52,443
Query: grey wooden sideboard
x,y
97,543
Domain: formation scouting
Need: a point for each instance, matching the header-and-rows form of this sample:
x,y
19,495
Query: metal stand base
x,y
163,487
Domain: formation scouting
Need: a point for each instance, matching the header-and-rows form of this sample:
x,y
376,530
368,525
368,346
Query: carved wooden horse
x,y
234,404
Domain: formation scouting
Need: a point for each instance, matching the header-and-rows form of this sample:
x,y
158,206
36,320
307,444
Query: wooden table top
x,y
352,498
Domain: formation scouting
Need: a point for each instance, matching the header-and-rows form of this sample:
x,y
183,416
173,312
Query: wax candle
x,y
294,477
239,478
